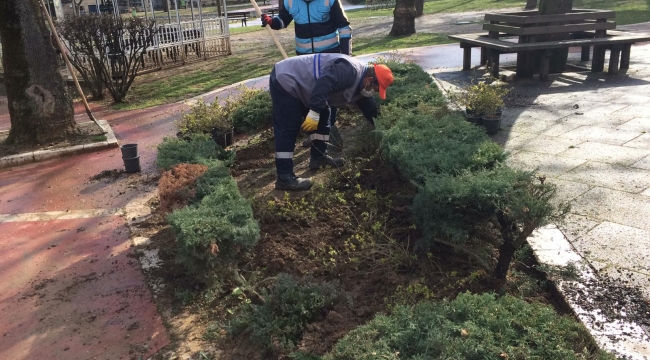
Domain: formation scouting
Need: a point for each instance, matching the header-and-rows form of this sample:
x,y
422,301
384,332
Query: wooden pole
x,y
68,65
275,39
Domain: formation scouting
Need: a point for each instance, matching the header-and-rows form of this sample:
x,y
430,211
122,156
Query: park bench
x,y
239,15
517,32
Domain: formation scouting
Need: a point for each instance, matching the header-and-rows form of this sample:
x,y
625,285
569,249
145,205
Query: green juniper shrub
x,y
408,97
200,147
420,144
254,113
289,306
449,207
408,74
469,327
213,234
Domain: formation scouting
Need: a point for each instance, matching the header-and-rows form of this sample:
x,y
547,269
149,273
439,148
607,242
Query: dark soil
x,y
85,133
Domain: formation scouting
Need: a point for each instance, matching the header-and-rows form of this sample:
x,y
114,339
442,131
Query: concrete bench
x,y
518,32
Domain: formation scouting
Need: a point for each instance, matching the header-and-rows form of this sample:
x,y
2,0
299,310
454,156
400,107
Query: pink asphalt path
x,y
73,289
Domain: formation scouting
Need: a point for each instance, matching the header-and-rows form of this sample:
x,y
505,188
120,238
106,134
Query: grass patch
x,y
149,90
98,138
369,45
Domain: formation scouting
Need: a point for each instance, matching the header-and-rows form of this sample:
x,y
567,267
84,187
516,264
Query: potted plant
x,y
483,103
210,119
489,103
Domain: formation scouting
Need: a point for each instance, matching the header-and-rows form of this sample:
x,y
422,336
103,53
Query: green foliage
x,y
289,306
254,111
213,234
200,148
484,98
462,182
421,145
249,110
204,118
470,327
409,96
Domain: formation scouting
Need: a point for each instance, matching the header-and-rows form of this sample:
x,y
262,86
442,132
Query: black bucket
x,y
223,139
129,151
132,165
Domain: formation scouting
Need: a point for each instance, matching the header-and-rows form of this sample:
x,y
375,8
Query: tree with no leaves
x,y
39,105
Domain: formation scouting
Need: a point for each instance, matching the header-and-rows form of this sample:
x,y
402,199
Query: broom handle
x,y
275,39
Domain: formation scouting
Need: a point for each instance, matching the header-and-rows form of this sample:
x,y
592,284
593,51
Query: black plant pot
x,y
132,165
492,124
129,151
223,139
474,119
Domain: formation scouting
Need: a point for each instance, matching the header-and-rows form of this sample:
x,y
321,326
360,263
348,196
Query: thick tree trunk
x,y
419,8
531,4
39,105
559,56
404,21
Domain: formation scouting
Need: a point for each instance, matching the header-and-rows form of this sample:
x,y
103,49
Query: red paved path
x,y
86,297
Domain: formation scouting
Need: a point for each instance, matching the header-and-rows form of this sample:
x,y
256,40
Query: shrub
x,y
482,97
469,327
289,306
204,118
253,112
200,148
408,97
448,207
420,144
108,48
213,234
177,186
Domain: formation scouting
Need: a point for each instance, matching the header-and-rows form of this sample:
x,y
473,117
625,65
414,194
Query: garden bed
x,y
329,260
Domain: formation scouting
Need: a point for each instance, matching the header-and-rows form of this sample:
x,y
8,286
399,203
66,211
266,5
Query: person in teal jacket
x,y
321,25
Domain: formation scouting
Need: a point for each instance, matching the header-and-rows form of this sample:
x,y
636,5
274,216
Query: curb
x,y
40,155
612,332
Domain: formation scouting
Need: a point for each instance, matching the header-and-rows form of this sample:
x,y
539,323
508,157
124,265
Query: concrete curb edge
x,y
40,155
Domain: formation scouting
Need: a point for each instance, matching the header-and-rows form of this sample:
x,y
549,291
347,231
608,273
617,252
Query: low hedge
x,y
462,181
194,150
469,327
420,144
213,234
218,227
254,113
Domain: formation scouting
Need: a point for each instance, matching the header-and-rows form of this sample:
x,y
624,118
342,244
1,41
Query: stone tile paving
x,y
590,135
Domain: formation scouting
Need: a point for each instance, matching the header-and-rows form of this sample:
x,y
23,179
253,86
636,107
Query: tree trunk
x,y
506,254
559,56
419,8
40,108
531,4
404,21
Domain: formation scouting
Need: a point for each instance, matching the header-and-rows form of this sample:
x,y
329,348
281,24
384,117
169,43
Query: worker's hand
x,y
266,20
311,122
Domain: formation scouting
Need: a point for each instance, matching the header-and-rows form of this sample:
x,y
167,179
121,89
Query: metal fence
x,y
380,4
183,42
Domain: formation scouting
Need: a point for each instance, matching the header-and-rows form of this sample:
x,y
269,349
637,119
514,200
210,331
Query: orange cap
x,y
384,77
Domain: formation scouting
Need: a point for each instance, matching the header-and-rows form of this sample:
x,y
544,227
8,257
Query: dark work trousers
x,y
288,115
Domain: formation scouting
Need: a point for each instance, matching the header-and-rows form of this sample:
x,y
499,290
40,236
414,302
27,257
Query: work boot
x,y
322,161
292,183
